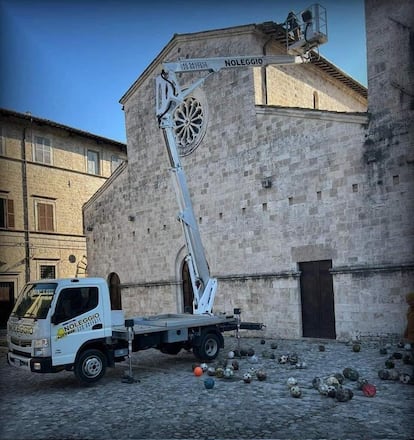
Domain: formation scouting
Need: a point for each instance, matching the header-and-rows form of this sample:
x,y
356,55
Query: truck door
x,y
78,318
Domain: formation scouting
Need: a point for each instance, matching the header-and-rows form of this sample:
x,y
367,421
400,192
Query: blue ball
x,y
209,383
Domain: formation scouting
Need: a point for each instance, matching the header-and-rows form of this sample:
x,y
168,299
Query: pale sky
x,y
71,61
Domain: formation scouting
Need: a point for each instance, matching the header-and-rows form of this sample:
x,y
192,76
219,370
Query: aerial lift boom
x,y
169,95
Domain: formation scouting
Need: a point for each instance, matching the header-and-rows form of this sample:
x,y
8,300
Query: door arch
x,y
114,285
188,294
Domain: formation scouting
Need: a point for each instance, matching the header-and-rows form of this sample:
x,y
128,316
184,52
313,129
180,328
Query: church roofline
x,y
270,28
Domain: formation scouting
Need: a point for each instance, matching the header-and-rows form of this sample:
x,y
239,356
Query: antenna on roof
x,y
306,30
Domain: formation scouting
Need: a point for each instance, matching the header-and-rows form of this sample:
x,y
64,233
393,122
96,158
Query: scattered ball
x,y
209,383
198,371
295,391
369,390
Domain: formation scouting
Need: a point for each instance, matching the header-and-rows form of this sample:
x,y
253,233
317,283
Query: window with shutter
x,y
6,213
45,217
10,213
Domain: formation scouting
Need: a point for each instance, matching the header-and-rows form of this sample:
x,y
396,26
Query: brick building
x,y
302,195
48,171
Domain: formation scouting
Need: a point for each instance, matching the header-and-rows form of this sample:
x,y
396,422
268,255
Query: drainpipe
x,y
25,208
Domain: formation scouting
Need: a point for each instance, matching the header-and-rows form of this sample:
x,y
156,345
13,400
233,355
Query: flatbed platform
x,y
170,321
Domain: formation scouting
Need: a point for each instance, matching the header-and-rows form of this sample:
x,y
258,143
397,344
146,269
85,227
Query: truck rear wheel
x,y
90,366
209,347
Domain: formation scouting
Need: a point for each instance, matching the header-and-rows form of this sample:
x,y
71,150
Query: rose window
x,y
189,125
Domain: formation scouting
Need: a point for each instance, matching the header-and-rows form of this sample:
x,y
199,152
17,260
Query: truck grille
x,y
21,342
21,353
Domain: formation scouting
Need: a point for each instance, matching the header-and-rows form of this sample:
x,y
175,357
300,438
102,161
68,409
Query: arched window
x,y
114,284
315,100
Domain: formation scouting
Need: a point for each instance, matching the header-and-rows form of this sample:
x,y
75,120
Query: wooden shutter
x,y
45,217
10,213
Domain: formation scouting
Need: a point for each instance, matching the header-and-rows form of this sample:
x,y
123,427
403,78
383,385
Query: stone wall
x,y
338,191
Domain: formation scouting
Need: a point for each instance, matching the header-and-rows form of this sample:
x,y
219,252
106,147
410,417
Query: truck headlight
x,y
41,343
41,347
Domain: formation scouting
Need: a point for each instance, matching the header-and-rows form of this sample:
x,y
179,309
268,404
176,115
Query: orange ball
x,y
198,371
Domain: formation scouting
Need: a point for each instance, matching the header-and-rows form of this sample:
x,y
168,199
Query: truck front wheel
x,y
209,347
90,366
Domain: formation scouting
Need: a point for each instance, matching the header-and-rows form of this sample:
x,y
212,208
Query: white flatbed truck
x,y
68,323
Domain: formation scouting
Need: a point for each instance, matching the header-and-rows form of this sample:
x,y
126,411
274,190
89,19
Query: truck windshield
x,y
34,301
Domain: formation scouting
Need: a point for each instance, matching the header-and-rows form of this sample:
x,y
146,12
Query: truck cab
x,y
54,322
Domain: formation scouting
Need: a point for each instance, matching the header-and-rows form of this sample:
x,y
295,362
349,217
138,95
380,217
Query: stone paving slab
x,y
169,402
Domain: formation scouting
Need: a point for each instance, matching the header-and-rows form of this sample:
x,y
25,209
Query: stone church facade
x,y
301,185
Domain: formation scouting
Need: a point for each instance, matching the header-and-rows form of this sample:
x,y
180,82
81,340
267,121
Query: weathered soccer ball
x,y
228,373
295,391
230,354
340,377
323,389
301,365
394,374
360,383
252,371
350,374
261,375
356,348
293,358
405,378
369,390
332,381
211,371
389,363
291,381
283,359
209,383
316,381
247,377
408,360
250,352
344,394
384,374
219,372
204,367
353,375
331,391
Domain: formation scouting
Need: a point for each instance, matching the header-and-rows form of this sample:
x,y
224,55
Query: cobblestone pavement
x,y
169,402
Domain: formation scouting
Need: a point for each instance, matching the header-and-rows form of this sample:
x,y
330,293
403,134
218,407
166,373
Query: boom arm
x,y
168,96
